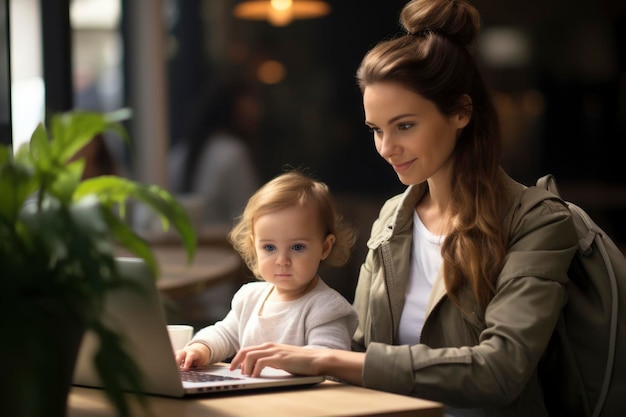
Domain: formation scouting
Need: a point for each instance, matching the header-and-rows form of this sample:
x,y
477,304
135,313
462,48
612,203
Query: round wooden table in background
x,y
211,265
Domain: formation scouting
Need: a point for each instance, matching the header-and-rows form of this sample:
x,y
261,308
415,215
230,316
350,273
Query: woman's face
x,y
410,132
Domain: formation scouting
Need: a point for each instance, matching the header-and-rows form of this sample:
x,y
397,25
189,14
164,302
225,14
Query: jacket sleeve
x,y
362,303
517,325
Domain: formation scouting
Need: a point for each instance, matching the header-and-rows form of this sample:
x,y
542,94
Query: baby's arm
x,y
216,342
211,344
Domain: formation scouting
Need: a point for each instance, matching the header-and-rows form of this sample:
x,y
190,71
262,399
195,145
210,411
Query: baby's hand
x,y
196,354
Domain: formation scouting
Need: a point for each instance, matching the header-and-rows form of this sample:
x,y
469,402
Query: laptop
x,y
139,318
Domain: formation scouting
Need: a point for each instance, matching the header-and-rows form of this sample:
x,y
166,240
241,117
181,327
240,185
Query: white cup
x,y
180,334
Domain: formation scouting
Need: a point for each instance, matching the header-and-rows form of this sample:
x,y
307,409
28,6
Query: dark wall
x,y
576,64
573,81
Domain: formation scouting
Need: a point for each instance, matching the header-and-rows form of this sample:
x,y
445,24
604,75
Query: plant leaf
x,y
168,209
131,241
39,148
71,131
113,190
117,369
119,115
57,232
47,226
66,180
18,182
5,155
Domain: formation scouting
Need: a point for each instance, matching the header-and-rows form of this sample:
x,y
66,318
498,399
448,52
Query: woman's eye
x,y
374,130
269,248
405,126
298,247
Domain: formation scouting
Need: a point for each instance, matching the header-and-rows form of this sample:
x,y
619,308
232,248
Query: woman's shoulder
x,y
542,236
537,215
531,202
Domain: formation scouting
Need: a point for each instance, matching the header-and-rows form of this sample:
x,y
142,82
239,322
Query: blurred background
x,y
557,69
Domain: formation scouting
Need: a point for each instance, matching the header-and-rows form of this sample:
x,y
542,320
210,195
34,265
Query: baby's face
x,y
289,245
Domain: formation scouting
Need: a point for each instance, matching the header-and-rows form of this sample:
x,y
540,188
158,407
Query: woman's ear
x,y
464,115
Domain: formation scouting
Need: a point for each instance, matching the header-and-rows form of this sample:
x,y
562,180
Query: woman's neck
x,y
434,207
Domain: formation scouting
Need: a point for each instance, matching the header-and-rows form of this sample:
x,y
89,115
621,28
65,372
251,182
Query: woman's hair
x,y
433,59
293,189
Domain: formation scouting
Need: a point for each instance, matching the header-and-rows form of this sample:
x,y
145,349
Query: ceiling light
x,y
271,72
281,12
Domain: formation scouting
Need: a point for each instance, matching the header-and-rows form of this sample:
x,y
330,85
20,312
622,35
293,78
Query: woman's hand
x,y
195,355
342,364
293,359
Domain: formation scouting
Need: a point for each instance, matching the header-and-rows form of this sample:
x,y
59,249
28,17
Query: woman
x,y
464,278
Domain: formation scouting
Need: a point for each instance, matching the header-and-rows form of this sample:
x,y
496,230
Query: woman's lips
x,y
403,166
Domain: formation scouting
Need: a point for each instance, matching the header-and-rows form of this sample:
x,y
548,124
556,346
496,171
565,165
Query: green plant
x,y
58,233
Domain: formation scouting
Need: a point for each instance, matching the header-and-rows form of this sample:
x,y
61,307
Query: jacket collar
x,y
396,221
393,222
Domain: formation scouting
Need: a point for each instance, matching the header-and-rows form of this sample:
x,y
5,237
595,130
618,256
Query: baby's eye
x,y
298,247
269,248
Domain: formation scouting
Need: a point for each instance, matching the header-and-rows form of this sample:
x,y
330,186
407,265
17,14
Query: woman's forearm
x,y
342,364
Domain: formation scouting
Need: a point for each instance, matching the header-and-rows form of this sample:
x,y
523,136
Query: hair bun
x,y
456,19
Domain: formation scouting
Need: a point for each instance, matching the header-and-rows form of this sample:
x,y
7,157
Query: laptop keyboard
x,y
195,376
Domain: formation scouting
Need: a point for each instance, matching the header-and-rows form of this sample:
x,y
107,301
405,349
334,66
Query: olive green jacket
x,y
486,361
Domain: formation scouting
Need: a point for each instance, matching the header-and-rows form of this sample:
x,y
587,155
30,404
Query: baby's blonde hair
x,y
291,189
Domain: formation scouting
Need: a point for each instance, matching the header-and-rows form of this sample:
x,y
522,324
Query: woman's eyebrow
x,y
400,116
393,119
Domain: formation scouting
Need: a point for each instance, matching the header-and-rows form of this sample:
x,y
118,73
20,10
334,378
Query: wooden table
x,y
211,265
213,235
329,399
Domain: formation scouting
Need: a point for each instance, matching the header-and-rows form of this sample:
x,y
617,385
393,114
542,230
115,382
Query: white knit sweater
x,y
320,318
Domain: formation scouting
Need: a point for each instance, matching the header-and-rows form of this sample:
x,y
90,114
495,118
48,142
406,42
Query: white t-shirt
x,y
426,262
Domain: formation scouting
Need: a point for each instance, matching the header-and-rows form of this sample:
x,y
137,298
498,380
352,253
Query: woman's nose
x,y
386,146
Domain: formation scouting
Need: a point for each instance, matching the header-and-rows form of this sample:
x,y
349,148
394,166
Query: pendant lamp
x,y
280,12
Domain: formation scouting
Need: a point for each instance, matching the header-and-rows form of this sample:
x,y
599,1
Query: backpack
x,y
583,371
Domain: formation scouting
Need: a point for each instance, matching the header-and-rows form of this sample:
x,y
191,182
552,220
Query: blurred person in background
x,y
214,161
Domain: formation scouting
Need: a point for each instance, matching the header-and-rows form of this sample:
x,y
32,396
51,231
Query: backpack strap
x,y
594,234
548,182
544,190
